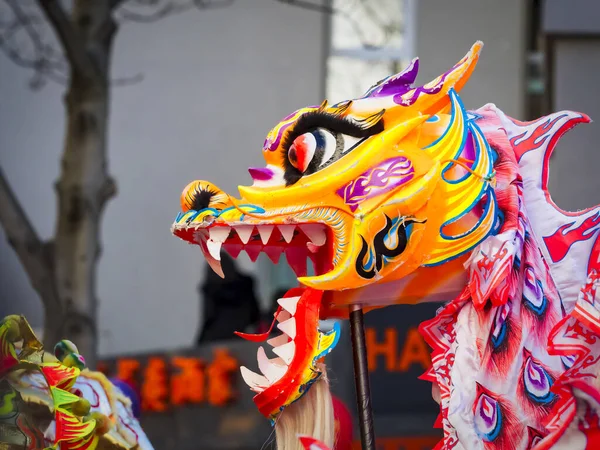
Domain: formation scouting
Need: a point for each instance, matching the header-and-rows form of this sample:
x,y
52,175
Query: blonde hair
x,y
311,415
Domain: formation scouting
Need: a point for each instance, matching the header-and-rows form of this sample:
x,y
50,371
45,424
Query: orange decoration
x,y
413,351
187,385
220,391
155,386
127,369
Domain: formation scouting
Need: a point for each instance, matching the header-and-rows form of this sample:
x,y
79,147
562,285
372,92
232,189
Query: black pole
x,y
361,378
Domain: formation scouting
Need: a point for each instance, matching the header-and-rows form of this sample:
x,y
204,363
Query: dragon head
x,y
370,190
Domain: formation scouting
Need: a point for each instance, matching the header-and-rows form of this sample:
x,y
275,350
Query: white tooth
x,y
214,264
244,232
315,232
278,340
214,248
288,327
273,369
289,304
287,231
253,251
219,234
286,351
265,232
274,253
312,247
254,380
283,316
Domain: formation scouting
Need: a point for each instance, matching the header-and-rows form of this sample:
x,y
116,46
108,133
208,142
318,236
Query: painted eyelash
x,y
334,123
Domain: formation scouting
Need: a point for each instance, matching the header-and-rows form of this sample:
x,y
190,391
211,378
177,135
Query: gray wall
x,y
447,29
215,82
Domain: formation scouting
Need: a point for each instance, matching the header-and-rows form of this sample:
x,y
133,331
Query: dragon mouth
x,y
300,242
284,378
288,363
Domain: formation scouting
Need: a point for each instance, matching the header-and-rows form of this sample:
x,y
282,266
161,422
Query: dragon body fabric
x,y
404,196
52,402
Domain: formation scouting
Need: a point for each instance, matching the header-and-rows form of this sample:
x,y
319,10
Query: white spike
x,y
315,232
289,304
257,382
278,340
273,369
265,232
214,264
286,352
283,316
219,234
312,247
214,248
287,231
244,232
288,327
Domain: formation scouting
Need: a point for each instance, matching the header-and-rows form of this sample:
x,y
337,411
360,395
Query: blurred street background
x,y
194,89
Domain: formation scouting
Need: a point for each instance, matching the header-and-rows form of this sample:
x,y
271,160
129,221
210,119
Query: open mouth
x,y
299,242
287,364
297,348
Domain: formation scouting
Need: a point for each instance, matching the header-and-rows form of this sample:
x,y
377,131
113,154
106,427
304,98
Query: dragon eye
x,y
319,147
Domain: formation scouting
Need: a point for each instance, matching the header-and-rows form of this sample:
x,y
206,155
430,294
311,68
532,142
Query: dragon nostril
x,y
260,173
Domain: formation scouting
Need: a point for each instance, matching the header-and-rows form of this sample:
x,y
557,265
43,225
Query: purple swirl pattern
x,y
533,294
388,175
537,382
488,418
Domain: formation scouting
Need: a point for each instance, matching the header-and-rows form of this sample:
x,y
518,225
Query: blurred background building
x,y
213,83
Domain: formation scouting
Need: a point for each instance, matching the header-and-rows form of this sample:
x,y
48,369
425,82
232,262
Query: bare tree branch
x,y
69,38
43,58
114,4
153,10
31,251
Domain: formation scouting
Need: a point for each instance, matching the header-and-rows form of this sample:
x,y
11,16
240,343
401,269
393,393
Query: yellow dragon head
x,y
371,190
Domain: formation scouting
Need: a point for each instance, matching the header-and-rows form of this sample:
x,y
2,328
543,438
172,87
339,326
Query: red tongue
x,y
294,292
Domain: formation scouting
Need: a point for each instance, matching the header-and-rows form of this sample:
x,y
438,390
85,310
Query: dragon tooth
x,y
287,231
214,264
278,340
272,369
283,316
214,248
244,232
254,380
312,247
233,249
265,232
289,304
288,327
219,234
274,253
253,251
297,260
286,351
315,232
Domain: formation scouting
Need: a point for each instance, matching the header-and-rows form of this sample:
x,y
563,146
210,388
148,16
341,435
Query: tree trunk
x,y
84,185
